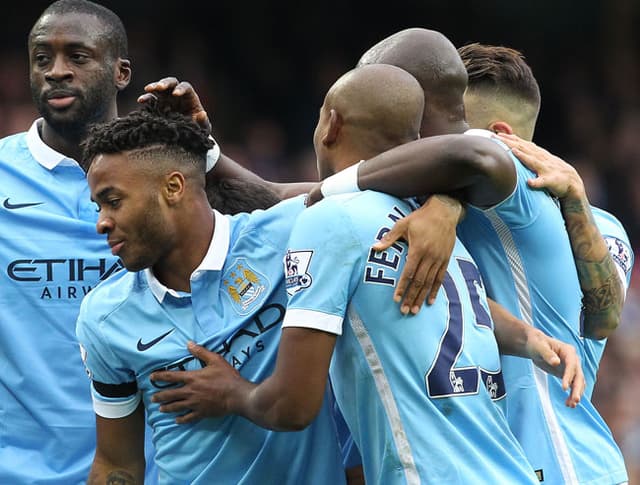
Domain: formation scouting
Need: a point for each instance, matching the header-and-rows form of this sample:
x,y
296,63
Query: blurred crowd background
x,y
262,69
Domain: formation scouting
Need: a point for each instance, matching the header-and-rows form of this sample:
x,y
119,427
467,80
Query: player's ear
x,y
174,187
122,73
501,127
333,130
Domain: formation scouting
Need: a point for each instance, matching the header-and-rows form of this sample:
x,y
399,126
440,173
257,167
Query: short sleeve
x,y
320,265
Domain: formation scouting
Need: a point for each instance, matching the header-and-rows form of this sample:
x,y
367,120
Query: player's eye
x,y
41,59
79,57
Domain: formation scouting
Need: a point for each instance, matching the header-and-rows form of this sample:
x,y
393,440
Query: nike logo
x,y
146,346
10,206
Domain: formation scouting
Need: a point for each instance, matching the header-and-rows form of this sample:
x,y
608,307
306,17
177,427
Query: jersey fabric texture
x,y
131,325
51,256
522,249
417,392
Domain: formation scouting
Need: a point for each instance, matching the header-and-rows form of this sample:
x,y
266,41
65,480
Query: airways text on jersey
x,y
61,278
244,345
379,263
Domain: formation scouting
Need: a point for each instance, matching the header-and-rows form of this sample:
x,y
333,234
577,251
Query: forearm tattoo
x,y
120,477
601,287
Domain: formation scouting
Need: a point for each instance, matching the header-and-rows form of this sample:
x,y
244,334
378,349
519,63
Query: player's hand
x,y
314,195
553,173
559,359
176,96
204,392
430,233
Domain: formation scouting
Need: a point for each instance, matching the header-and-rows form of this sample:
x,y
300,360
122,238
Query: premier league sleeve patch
x,y
620,253
296,266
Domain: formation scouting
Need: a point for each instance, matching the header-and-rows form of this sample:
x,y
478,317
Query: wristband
x,y
343,182
213,155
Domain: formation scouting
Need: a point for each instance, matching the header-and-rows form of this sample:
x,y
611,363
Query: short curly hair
x,y
147,134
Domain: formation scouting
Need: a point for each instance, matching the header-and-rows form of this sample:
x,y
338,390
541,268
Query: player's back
x,y
523,251
417,392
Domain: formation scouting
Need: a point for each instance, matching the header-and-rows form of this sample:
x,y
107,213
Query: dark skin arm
x,y
603,293
287,400
119,458
473,169
180,97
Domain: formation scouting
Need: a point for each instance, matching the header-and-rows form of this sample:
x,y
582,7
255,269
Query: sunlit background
x,y
262,69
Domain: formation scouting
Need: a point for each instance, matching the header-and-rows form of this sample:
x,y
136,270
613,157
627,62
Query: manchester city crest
x,y
244,286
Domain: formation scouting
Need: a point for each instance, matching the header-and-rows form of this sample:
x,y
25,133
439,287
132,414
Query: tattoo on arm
x,y
120,477
601,286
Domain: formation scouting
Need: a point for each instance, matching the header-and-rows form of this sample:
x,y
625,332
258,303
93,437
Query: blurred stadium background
x,y
262,69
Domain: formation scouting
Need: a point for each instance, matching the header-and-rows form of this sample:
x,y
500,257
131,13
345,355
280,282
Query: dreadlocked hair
x,y
151,135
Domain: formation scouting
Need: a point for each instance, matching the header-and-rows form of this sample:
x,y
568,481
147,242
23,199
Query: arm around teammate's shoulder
x,y
475,169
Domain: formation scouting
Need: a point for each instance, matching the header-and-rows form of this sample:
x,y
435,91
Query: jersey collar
x,y
43,153
213,260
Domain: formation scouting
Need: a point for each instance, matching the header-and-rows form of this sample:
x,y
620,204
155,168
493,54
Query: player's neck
x,y
194,238
66,142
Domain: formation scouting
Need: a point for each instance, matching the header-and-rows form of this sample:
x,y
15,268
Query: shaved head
x,y
376,106
434,61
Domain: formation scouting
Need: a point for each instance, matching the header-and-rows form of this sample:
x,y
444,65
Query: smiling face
x,y
74,76
132,211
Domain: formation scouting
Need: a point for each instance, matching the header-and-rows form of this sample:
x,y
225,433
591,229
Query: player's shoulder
x,y
13,145
110,294
607,219
351,214
270,227
356,202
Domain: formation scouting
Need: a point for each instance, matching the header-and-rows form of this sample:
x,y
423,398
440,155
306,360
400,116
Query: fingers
x,y
572,377
173,376
421,295
420,284
174,407
537,183
550,357
202,353
406,281
188,418
164,84
437,283
398,231
147,98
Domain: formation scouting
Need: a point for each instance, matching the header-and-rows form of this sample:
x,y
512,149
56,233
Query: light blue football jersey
x,y
51,257
420,394
131,325
522,249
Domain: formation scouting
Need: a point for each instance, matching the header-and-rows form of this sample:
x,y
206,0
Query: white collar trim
x,y
213,260
43,153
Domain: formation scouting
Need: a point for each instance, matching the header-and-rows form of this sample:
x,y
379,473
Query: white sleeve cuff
x,y
213,155
312,319
343,182
116,409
